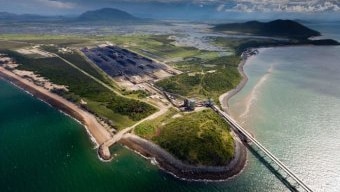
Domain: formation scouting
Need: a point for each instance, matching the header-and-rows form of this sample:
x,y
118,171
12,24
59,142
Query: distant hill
x,y
107,15
5,16
101,16
277,28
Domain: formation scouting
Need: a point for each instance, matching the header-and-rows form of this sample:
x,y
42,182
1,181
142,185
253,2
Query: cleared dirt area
x,y
34,52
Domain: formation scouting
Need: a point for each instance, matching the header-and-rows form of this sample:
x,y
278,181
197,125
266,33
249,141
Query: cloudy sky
x,y
58,7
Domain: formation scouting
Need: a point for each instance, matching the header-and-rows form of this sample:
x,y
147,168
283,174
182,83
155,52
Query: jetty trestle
x,y
247,137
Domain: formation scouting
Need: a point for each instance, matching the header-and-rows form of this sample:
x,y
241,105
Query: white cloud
x,y
286,5
219,5
220,8
57,4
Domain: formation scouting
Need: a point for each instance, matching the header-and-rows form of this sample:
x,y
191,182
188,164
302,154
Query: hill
x,y
200,138
277,28
10,17
108,15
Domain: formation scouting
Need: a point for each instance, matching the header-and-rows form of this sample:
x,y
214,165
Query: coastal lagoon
x,y
291,104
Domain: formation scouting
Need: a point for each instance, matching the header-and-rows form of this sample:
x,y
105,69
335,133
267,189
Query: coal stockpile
x,y
117,61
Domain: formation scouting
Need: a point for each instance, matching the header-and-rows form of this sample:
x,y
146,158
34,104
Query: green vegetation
x,y
158,47
28,39
11,44
15,41
135,109
148,129
241,45
101,100
80,61
206,73
200,138
138,94
208,82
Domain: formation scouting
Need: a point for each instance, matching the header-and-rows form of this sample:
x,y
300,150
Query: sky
x,y
148,8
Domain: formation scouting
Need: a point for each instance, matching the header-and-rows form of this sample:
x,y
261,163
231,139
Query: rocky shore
x,y
184,171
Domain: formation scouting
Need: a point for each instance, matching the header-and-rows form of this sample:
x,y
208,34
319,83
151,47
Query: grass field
x,y
148,129
200,138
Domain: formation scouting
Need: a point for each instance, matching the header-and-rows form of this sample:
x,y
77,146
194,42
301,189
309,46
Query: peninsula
x,y
149,92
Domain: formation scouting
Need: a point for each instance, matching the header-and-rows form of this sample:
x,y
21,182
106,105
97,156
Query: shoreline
x,y
224,98
147,149
96,131
175,167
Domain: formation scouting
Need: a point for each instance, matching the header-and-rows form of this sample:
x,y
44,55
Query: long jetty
x,y
246,137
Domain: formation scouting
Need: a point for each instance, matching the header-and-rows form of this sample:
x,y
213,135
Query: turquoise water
x,y
295,113
44,150
292,105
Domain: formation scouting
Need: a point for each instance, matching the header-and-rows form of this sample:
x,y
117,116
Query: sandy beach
x,y
99,133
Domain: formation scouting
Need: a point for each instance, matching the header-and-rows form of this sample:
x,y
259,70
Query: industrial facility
x,y
117,61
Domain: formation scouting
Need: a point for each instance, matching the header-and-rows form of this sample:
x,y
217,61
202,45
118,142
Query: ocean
x,y
291,104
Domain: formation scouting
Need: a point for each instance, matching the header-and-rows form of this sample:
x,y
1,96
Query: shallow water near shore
x,y
295,113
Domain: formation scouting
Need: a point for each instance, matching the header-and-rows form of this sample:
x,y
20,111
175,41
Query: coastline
x,y
165,161
224,98
168,163
180,170
97,132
